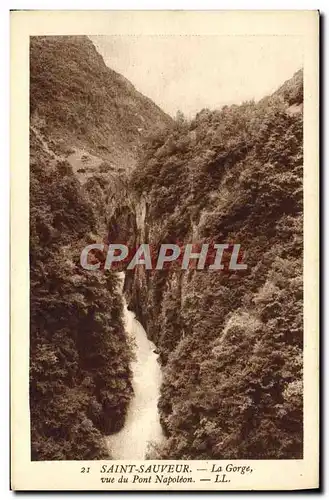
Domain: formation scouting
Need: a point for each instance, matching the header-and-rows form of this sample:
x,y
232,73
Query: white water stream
x,y
142,423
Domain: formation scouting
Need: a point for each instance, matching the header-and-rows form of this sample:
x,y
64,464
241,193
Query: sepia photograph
x,y
166,218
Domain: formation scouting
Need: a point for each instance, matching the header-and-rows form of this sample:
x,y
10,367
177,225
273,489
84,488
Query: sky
x,y
189,73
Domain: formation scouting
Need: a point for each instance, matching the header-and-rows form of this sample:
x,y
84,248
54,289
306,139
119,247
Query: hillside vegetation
x,y
87,124
80,379
231,343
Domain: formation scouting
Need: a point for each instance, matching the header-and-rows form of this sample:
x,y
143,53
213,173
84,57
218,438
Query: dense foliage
x,y
80,380
231,343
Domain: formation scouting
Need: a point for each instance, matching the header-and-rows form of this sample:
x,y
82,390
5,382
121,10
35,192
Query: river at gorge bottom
x,y
142,424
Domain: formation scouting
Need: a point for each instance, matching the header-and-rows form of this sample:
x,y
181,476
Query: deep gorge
x,y
229,344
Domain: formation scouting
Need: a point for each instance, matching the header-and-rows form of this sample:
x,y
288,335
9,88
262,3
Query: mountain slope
x,y
87,125
231,343
77,101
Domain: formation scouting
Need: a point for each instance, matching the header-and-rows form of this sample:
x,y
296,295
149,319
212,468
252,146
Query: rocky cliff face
x,y
231,343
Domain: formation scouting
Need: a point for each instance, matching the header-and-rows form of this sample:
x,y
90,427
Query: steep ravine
x,y
142,423
88,126
229,382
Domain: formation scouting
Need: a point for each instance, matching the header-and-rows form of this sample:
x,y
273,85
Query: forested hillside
x,y
87,124
80,380
231,343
